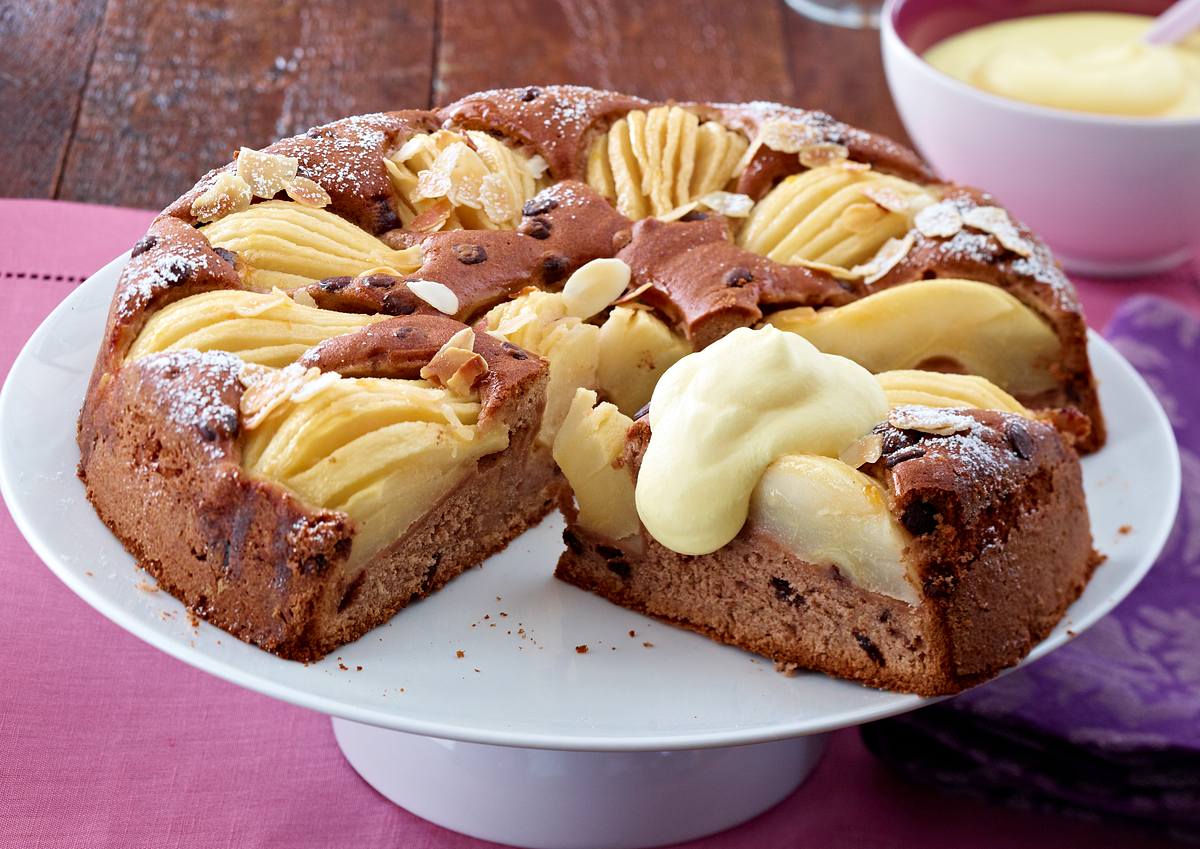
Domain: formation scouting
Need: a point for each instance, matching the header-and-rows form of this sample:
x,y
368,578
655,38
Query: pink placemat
x,y
106,742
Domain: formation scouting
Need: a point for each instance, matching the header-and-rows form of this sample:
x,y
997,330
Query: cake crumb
x,y
476,668
359,668
1124,530
145,586
647,645
193,619
632,632
460,654
89,573
583,649
503,614
343,667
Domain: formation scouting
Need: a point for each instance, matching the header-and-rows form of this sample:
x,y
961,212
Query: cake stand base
x,y
1091,267
549,799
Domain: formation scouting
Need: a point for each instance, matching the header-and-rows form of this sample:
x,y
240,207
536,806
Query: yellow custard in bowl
x,y
1078,61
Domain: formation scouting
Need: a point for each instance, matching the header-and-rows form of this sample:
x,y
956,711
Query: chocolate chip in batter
x,y
143,244
531,93
738,277
554,268
694,215
537,228
909,452
470,254
539,205
1019,439
513,351
398,303
919,518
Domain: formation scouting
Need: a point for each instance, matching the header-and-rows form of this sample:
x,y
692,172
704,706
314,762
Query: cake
x,y
340,371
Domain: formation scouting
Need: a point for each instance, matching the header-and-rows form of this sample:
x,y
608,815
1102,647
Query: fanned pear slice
x,y
288,245
943,325
827,513
382,451
588,449
636,347
937,389
265,329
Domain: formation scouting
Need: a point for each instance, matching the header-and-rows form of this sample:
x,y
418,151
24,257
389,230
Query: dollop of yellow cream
x,y
1079,61
720,417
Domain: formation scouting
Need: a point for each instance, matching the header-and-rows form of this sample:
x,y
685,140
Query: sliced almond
x,y
536,167
787,136
228,194
994,220
930,420
832,270
432,218
939,221
266,389
456,366
437,295
308,192
594,286
634,294
886,259
864,450
678,212
729,204
823,153
267,173
498,199
888,198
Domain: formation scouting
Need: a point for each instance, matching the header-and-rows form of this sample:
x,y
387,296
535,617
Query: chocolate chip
x,y
402,332
909,452
1019,438
872,650
470,254
334,284
537,228
380,281
513,351
610,552
386,218
531,93
738,276
554,268
619,567
572,541
177,271
694,215
539,205
786,593
227,255
895,439
398,303
919,518
143,244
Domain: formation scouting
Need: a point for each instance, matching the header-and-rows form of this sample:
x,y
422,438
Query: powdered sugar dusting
x,y
176,263
192,387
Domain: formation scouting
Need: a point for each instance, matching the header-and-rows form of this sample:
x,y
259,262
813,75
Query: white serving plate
x,y
521,683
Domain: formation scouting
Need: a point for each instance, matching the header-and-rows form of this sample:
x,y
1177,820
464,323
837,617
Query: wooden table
x,y
127,102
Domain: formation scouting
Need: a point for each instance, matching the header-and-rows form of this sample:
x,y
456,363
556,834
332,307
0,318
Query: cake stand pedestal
x,y
553,799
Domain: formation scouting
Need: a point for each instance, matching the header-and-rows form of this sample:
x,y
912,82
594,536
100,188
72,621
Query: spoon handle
x,y
1175,23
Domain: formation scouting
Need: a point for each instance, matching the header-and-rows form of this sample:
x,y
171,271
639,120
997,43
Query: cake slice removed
x,y
923,552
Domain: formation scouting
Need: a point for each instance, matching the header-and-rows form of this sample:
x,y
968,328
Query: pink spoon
x,y
1175,23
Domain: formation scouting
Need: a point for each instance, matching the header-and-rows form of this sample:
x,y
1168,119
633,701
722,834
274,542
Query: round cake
x,y
341,370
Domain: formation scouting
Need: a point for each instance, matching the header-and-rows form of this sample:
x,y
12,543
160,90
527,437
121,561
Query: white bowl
x,y
1111,196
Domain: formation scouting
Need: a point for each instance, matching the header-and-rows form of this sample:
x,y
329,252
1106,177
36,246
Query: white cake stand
x,y
652,735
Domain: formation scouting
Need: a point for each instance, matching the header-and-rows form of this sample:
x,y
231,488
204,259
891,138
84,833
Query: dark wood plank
x,y
176,86
841,71
47,45
701,49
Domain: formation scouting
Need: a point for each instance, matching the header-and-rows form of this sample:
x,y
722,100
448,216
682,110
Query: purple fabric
x,y
1111,721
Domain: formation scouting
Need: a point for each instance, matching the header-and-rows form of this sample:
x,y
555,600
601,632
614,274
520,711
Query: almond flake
x,y
594,286
994,220
886,259
940,221
832,270
266,389
930,420
497,198
536,167
823,153
634,294
432,184
729,204
456,366
433,218
859,217
267,173
888,198
787,136
227,195
437,295
314,386
864,450
308,193
678,212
